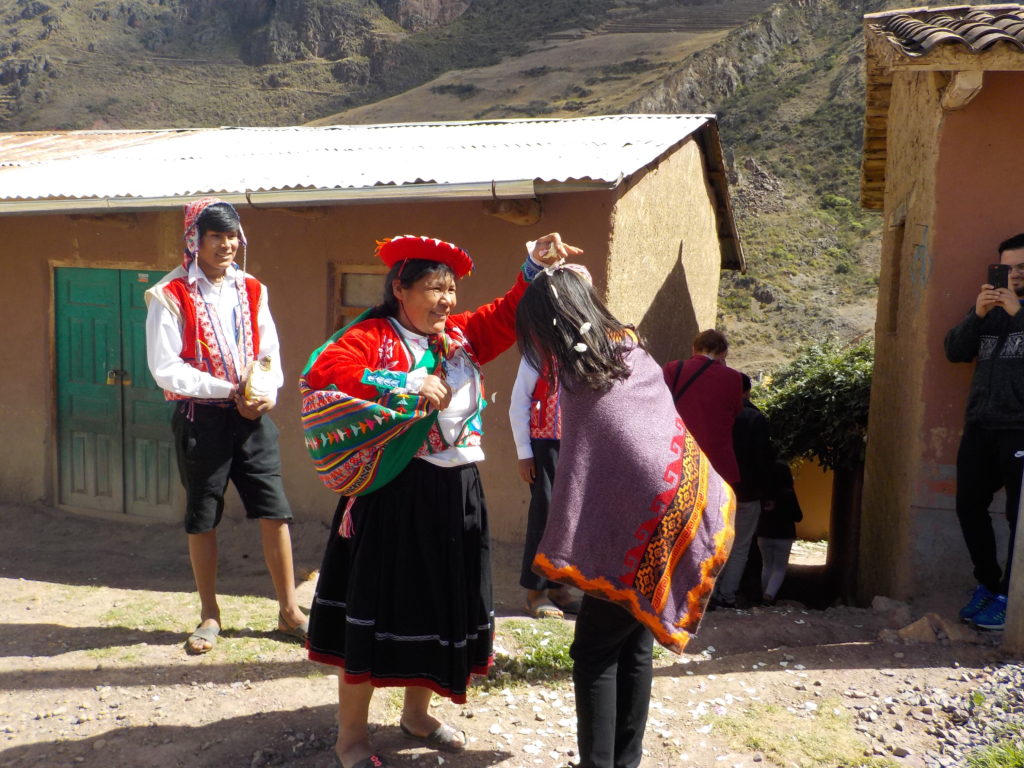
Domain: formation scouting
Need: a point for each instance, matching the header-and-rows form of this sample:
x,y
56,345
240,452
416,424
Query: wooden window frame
x,y
340,314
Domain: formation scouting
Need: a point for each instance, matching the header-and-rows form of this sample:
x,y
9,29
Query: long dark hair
x,y
559,312
406,272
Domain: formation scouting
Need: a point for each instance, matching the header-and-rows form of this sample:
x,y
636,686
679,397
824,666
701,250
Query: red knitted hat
x,y
405,247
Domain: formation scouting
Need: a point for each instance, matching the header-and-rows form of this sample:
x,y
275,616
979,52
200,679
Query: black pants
x,y
612,655
986,462
215,445
545,457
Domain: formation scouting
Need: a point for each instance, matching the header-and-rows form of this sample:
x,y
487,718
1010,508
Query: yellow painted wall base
x,y
814,490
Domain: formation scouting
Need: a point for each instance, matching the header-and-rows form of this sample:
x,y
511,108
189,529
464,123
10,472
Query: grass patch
x,y
1001,755
246,650
1008,749
129,655
162,612
248,636
149,611
527,650
823,739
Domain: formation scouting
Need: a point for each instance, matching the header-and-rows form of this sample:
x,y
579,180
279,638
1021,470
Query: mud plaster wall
x,y
664,225
894,424
977,206
911,542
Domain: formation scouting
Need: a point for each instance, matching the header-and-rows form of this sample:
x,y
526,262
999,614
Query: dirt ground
x,y
93,672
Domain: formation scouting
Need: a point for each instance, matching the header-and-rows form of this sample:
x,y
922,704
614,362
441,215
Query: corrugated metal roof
x,y
918,31
182,163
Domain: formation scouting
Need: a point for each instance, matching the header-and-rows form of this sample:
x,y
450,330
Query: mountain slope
x,y
176,63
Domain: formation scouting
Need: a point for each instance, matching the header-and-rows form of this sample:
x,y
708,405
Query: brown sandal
x,y
569,605
445,738
542,608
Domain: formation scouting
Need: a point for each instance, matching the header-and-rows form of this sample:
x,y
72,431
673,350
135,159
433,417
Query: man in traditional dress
x,y
208,322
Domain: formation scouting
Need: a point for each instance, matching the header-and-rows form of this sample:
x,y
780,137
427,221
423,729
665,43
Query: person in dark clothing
x,y
776,530
991,454
754,455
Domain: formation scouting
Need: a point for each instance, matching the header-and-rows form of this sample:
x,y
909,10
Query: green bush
x,y
818,404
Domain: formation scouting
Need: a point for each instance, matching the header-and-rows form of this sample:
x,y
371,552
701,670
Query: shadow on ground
x,y
301,738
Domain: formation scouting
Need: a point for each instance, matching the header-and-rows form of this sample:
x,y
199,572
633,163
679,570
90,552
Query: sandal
x,y
299,631
542,608
444,738
569,604
199,635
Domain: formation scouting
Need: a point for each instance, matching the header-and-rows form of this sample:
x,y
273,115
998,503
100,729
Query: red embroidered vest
x,y
198,337
545,414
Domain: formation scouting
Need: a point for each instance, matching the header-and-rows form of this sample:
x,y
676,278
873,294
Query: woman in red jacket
x,y
404,595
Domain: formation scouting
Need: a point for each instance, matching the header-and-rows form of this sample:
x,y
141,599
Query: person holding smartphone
x,y
991,453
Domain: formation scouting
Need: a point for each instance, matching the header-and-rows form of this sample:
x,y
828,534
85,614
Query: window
x,y
353,289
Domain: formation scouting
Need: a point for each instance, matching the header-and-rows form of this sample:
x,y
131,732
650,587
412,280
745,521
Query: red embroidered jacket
x,y
374,347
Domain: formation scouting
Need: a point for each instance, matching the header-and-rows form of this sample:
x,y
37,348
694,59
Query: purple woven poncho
x,y
638,516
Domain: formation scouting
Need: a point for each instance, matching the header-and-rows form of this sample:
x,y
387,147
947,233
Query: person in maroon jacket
x,y
708,395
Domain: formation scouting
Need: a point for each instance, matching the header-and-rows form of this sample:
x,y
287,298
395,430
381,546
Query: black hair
x,y
219,217
746,383
406,272
1014,243
551,321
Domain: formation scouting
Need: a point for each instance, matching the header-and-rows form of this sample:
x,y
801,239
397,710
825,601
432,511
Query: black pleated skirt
x,y
407,600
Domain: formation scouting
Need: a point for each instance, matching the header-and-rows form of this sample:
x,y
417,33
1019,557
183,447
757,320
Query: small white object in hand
x,y
581,347
584,328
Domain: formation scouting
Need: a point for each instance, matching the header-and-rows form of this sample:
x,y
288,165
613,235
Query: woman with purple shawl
x,y
639,520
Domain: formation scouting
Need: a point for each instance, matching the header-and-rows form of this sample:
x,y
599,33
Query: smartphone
x,y
998,275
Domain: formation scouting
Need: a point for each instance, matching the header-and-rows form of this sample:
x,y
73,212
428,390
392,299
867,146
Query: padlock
x,y
111,377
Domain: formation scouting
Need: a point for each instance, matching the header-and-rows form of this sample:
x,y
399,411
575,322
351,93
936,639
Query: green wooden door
x,y
88,325
115,448
151,485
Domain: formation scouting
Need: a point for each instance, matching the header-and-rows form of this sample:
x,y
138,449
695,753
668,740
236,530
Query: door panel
x,y
150,477
115,446
87,316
